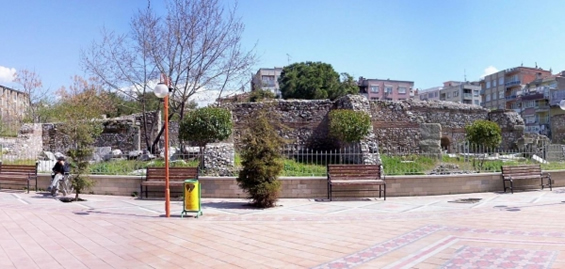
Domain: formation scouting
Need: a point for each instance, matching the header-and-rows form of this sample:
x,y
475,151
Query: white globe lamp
x,y
562,104
161,90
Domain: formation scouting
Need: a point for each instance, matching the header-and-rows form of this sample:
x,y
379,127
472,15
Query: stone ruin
x,y
407,126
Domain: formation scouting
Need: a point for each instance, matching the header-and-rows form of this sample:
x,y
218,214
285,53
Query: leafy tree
x,y
32,85
206,125
349,125
484,134
77,110
260,94
308,80
262,161
196,44
347,85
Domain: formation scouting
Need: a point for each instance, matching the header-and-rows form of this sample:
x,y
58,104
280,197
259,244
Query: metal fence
x,y
308,162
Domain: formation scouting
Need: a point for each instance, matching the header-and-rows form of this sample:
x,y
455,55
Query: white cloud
x,y
489,70
7,74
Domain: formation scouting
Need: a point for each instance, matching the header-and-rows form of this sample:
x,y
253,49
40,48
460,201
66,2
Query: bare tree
x,y
32,85
197,44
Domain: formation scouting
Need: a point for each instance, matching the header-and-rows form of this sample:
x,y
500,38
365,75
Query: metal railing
x,y
459,159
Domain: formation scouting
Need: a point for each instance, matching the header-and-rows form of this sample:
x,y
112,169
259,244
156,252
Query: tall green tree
x,y
308,80
78,109
262,161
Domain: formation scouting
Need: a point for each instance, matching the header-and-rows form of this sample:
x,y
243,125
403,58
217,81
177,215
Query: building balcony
x,y
512,83
542,108
482,92
467,96
510,97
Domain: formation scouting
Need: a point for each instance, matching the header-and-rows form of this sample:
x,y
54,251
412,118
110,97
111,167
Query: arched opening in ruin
x,y
445,143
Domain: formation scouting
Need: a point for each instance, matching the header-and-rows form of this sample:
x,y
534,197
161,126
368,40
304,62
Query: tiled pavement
x,y
520,230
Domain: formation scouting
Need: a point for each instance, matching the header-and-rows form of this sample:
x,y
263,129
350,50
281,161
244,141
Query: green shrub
x,y
262,161
349,125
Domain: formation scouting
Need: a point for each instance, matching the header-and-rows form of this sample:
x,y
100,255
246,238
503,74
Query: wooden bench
x,y
18,174
355,175
510,173
155,176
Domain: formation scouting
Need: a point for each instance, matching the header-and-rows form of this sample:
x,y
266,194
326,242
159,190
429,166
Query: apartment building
x,y
386,89
500,90
429,94
461,92
13,104
267,79
539,100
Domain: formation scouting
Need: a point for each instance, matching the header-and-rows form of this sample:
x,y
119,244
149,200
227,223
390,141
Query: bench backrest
x,y
354,171
521,170
18,169
175,173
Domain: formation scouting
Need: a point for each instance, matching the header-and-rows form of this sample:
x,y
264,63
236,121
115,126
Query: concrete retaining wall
x,y
316,187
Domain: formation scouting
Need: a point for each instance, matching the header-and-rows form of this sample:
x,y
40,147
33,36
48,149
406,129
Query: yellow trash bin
x,y
191,197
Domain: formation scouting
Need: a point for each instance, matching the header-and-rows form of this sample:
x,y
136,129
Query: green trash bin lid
x,y
190,180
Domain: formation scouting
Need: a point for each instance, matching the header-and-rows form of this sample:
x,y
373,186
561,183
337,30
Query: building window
x,y
501,81
455,93
436,94
488,84
476,93
448,95
431,95
375,89
388,89
374,98
401,90
501,95
476,102
493,96
268,81
487,97
494,82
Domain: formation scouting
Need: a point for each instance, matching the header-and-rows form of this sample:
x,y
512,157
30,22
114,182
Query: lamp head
x,y
562,104
161,90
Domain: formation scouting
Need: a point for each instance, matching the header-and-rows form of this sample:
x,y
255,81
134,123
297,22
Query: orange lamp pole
x,y
162,91
167,189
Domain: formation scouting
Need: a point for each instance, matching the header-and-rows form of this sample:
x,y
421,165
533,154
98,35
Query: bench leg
x,y
384,193
330,196
28,185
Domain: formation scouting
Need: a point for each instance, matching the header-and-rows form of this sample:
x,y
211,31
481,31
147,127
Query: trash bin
x,y
191,198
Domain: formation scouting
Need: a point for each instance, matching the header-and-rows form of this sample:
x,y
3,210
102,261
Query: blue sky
x,y
425,41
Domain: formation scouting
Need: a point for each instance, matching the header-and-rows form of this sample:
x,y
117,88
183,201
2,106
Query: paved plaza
x,y
481,230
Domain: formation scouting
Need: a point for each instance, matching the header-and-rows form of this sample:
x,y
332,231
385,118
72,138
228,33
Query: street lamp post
x,y
162,91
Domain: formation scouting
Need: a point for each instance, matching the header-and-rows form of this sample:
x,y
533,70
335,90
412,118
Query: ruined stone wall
x,y
124,133
306,120
512,126
26,146
397,126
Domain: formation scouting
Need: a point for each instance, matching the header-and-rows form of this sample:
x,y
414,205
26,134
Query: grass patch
x,y
293,168
124,167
